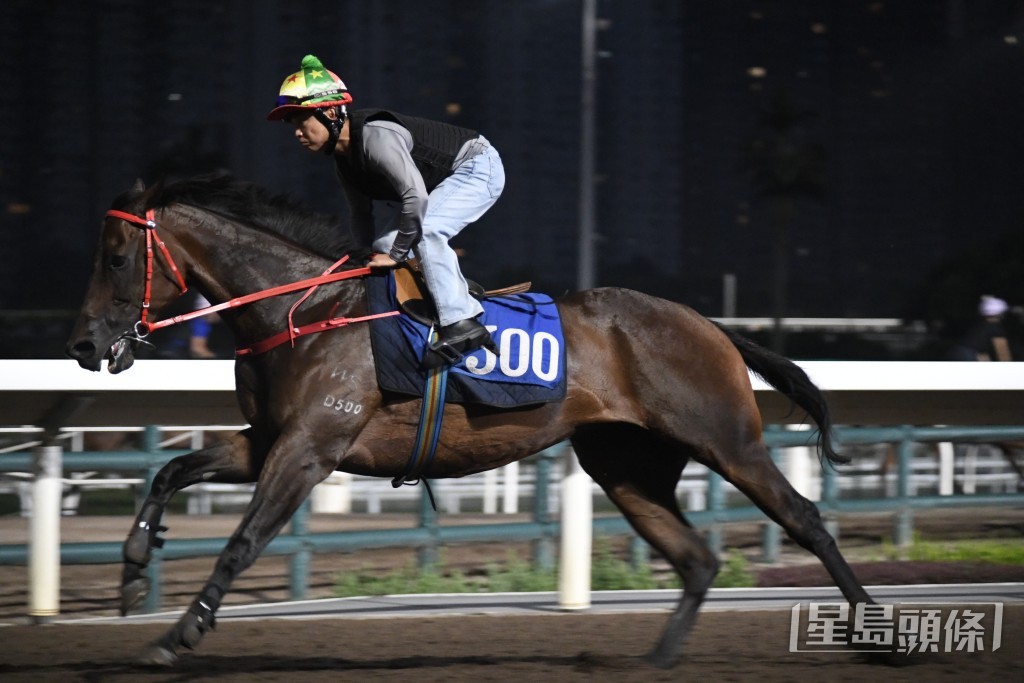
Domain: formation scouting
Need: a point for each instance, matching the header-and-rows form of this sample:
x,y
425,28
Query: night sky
x,y
904,119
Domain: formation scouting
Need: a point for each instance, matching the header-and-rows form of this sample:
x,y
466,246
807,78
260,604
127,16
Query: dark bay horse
x,y
651,385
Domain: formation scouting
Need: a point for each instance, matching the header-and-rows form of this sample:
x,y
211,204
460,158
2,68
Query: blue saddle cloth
x,y
526,327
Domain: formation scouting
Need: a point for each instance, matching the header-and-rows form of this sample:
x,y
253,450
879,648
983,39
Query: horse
x,y
651,385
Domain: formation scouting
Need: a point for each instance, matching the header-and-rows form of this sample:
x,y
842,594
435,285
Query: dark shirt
x,y
979,338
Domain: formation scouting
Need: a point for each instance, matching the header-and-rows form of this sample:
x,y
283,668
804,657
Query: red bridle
x,y
144,327
149,227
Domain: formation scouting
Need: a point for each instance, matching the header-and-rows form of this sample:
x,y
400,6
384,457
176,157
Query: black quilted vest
x,y
435,146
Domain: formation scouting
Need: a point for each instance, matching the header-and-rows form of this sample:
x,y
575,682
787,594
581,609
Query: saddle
x,y
399,343
415,300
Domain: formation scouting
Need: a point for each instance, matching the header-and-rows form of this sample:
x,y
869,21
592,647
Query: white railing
x,y
979,467
57,394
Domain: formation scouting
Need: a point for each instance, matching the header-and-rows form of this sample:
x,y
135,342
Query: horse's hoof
x,y
157,655
132,593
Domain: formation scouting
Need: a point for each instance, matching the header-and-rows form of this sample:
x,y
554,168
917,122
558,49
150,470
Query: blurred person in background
x,y
987,340
199,333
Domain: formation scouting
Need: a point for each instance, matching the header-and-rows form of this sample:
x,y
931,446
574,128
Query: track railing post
x,y
428,553
947,465
771,532
543,547
298,576
510,489
903,534
577,535
716,503
151,445
44,534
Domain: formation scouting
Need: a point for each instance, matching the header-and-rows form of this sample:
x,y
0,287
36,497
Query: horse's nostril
x,y
82,349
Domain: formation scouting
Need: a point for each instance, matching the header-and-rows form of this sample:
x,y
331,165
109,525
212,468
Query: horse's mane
x,y
254,205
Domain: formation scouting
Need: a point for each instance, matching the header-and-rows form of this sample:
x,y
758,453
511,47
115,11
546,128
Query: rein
x,y
144,327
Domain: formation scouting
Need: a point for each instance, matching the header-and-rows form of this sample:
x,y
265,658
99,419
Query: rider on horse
x,y
444,176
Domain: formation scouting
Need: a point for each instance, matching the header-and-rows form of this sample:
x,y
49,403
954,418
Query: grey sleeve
x,y
388,149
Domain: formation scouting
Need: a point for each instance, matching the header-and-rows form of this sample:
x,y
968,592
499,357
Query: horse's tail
x,y
789,379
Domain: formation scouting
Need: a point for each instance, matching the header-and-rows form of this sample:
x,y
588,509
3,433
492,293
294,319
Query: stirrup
x,y
443,353
447,352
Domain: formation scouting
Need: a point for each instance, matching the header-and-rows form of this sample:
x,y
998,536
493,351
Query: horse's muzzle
x,y
120,356
84,351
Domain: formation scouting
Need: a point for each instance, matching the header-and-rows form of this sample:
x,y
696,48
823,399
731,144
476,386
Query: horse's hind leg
x,y
753,472
639,473
227,462
288,476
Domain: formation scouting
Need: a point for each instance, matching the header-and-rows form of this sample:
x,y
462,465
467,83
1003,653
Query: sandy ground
x,y
725,646
569,647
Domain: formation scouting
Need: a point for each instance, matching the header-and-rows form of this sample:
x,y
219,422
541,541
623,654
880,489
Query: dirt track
x,y
724,646
733,646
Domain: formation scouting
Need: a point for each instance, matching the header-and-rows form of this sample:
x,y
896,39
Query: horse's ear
x,y
139,186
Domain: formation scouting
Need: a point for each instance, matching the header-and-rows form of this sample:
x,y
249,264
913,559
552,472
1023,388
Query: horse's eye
x,y
117,262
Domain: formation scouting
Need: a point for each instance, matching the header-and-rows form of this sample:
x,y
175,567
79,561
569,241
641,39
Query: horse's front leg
x,y
229,462
288,476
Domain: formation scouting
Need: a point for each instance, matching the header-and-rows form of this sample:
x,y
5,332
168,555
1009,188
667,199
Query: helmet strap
x,y
333,126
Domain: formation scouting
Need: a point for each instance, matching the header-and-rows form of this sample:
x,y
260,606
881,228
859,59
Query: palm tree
x,y
785,169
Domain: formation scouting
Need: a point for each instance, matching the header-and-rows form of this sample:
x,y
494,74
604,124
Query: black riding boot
x,y
455,341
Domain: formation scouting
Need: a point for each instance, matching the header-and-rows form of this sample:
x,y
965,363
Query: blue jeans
x,y
459,200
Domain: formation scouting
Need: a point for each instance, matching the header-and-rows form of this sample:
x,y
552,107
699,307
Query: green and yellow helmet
x,y
310,88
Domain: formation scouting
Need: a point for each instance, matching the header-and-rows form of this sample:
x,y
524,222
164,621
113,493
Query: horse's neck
x,y
232,260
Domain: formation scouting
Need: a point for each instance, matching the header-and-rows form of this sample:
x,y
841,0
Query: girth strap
x,y
428,431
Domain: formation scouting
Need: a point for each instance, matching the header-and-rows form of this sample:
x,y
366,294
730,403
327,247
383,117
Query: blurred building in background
x,y
915,105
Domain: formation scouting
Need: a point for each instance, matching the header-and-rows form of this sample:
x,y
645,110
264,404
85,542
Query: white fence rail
x,y
976,468
57,394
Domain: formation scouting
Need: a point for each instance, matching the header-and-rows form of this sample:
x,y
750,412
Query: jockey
x,y
443,176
